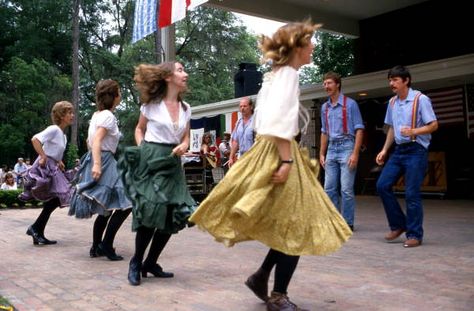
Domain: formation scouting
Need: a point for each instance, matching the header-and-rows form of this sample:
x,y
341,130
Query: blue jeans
x,y
339,178
411,160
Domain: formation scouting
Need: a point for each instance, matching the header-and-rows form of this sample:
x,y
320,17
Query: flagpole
x,y
158,48
168,42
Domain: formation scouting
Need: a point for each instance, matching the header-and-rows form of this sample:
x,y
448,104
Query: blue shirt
x,y
336,130
243,134
399,115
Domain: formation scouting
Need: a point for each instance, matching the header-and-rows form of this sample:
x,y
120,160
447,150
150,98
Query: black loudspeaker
x,y
247,81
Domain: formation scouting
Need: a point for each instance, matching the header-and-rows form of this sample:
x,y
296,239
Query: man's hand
x,y
353,160
231,161
380,159
322,160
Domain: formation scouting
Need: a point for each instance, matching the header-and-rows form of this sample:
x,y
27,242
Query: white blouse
x,y
277,109
54,142
107,120
160,127
6,186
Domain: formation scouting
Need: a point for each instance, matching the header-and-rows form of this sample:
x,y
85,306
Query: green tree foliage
x,y
211,43
72,153
35,49
35,62
12,142
309,74
37,30
333,53
27,93
106,53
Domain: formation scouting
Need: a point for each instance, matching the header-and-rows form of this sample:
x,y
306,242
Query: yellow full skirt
x,y
296,218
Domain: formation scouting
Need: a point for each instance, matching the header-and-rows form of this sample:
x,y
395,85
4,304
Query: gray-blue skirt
x,y
98,197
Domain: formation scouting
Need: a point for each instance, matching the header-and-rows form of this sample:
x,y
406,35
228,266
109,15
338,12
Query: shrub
x,y
72,154
9,199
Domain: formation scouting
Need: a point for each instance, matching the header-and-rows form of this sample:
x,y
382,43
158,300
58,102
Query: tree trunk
x,y
75,70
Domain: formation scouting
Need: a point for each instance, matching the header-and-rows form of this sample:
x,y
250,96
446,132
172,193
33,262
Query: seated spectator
x,y
10,183
208,150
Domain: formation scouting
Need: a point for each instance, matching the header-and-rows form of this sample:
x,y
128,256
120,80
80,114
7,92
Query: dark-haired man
x,y
411,121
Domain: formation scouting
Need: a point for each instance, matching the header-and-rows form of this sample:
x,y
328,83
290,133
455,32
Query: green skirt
x,y
155,183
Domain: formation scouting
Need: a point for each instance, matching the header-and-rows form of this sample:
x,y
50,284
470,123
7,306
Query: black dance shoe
x,y
38,238
109,252
32,232
95,251
134,272
44,240
157,271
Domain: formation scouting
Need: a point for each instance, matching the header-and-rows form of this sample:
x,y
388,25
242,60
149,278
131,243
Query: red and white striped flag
x,y
470,110
448,105
172,11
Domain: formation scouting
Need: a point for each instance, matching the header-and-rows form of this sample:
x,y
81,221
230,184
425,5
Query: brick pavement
x,y
366,274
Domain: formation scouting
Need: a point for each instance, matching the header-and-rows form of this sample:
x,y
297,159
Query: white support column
x,y
168,42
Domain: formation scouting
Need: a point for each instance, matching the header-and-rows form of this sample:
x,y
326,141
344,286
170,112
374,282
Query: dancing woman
x,y
99,189
45,180
152,171
272,194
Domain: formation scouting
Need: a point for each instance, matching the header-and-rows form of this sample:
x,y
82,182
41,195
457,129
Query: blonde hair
x,y
60,110
150,81
279,48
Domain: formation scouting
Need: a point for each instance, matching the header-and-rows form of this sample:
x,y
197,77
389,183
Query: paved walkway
x,y
366,274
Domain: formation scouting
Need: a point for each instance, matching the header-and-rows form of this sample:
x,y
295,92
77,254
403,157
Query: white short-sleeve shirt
x,y
54,142
160,127
108,121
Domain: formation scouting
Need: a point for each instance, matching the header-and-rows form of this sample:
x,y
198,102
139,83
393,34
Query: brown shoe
x,y
412,243
392,235
258,284
281,302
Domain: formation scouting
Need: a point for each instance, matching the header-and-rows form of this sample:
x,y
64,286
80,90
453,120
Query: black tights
x,y
143,238
285,267
114,221
48,208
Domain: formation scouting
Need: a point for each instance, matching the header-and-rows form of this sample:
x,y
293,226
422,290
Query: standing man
x,y
243,134
341,138
20,170
411,121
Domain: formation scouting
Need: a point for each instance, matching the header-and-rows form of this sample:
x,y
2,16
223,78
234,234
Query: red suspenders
x,y
344,116
414,111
